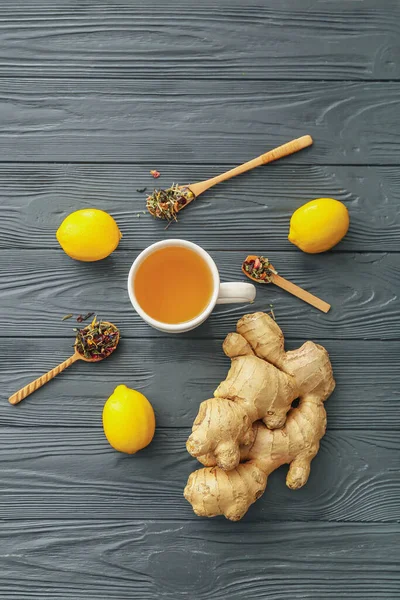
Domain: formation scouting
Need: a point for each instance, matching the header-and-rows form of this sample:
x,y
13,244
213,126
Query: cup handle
x,y
232,292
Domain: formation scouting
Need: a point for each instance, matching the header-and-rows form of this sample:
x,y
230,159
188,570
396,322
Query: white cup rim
x,y
185,325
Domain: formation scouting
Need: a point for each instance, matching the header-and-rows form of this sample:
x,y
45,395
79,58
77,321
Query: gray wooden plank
x,y
55,463
252,209
224,122
262,40
203,560
38,288
367,377
63,473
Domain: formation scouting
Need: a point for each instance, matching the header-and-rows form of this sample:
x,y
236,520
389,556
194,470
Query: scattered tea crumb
x,y
67,317
272,311
155,173
141,190
82,318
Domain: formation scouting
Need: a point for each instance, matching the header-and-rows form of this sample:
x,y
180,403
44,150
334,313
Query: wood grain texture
x,y
95,94
62,473
147,561
223,122
366,396
294,39
253,209
38,288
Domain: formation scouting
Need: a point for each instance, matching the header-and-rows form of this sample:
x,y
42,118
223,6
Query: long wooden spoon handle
x,y
35,385
286,149
300,293
280,152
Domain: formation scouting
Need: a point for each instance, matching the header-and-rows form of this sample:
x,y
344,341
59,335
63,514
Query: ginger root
x,y
232,433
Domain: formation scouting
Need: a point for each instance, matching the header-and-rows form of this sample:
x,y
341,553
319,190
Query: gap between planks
x,y
245,250
219,77
223,163
163,428
216,338
199,520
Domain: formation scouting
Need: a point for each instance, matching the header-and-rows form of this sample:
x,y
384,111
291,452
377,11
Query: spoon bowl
x,y
268,279
98,358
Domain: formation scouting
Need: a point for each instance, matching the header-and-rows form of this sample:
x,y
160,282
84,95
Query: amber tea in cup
x,y
173,284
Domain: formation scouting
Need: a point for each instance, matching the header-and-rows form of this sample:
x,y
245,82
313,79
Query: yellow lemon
x,y
89,234
128,420
319,225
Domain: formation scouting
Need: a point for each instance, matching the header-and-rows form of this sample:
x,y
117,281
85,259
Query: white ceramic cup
x,y
223,293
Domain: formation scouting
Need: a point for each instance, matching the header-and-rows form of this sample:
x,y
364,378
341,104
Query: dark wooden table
x,y
93,95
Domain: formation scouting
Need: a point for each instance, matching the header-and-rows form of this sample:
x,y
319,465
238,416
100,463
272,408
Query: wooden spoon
x,y
40,381
275,154
288,286
191,191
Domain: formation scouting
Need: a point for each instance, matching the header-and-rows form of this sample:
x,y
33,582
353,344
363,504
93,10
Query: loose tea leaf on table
x,y
82,318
